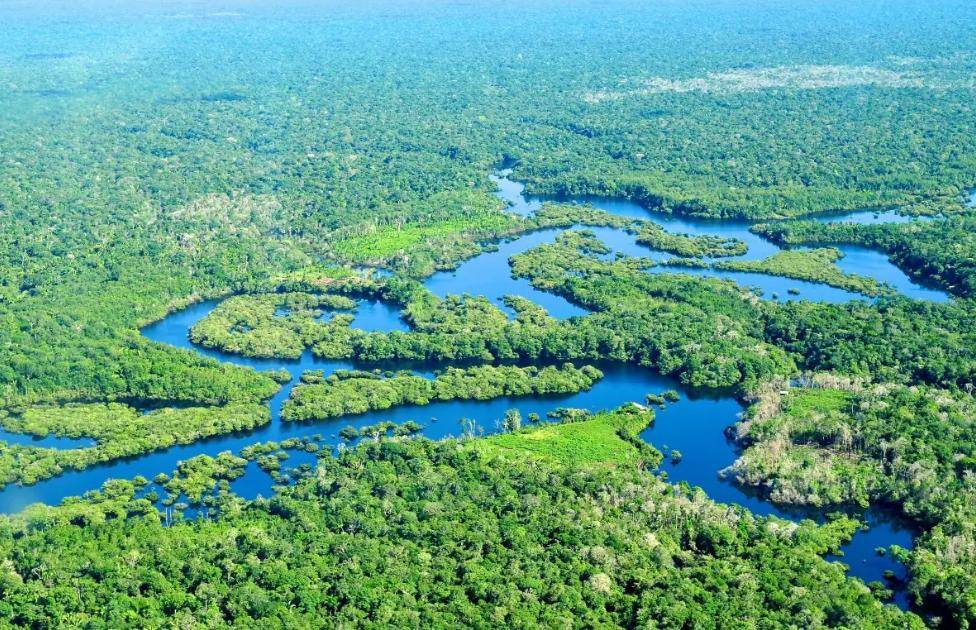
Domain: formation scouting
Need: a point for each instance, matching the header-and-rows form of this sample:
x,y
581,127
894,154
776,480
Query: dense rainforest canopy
x,y
299,159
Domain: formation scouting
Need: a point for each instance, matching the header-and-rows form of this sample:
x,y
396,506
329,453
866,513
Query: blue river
x,y
694,425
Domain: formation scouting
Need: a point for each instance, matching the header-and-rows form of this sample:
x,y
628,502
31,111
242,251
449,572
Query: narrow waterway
x,y
855,260
47,441
694,425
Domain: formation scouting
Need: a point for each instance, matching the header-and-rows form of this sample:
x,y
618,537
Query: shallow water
x,y
869,217
773,287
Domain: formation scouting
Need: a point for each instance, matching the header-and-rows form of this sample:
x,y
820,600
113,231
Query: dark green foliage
x,y
937,251
418,534
358,392
848,442
895,339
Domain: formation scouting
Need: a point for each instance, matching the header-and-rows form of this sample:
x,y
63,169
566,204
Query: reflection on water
x,y
488,275
47,441
378,316
694,425
856,260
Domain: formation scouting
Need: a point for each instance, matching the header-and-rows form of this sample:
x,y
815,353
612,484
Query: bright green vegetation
x,y
132,184
937,251
707,332
656,237
448,228
646,232
810,444
252,326
815,265
345,393
380,430
434,535
567,215
201,482
119,431
717,329
195,479
609,439
149,162
840,441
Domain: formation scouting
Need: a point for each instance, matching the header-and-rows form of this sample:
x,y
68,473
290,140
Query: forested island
x,y
401,314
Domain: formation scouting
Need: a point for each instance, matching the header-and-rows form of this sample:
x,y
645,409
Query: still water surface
x,y
694,425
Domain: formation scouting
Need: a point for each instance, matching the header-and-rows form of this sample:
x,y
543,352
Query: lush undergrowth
x,y
610,439
154,156
668,322
815,265
272,325
837,441
684,245
419,534
132,184
352,393
119,431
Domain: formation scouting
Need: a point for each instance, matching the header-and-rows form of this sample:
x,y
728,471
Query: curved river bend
x,y
694,425
855,260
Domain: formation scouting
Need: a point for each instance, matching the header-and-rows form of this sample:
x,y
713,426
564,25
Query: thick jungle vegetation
x,y
421,534
349,393
834,440
937,251
157,155
666,322
174,186
815,265
118,430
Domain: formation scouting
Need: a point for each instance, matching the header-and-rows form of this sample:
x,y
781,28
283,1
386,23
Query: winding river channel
x,y
694,425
